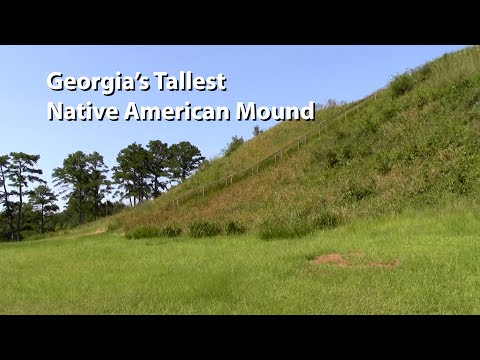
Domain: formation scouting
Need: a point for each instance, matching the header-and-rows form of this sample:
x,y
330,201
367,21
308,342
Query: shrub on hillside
x,y
257,131
326,220
149,231
171,231
284,228
401,84
359,192
205,164
389,112
199,229
423,73
114,225
143,232
233,145
234,228
332,158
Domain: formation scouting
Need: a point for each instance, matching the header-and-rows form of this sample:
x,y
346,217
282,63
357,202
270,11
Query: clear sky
x,y
267,75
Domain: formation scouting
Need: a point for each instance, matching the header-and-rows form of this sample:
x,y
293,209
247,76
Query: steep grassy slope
x,y
415,145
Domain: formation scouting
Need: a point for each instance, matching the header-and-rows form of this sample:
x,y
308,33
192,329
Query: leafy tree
x,y
4,165
5,233
73,178
113,207
30,219
331,103
99,185
132,173
43,201
233,145
158,165
66,219
184,159
84,182
21,172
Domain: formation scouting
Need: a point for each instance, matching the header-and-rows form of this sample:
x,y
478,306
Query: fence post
x,y
226,181
203,192
257,168
275,157
281,153
177,201
231,179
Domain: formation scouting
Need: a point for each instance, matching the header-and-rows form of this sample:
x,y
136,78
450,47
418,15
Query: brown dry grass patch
x,y
351,260
336,259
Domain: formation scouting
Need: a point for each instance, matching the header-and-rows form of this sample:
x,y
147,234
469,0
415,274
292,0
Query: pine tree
x,y
183,160
22,172
43,201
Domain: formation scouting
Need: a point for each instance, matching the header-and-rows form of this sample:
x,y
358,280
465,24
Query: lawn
x,y
414,263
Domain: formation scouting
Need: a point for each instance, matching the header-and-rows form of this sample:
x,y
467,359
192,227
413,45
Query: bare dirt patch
x,y
345,260
336,259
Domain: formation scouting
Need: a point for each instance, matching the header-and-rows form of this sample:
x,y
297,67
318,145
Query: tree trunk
x,y
19,217
155,188
80,210
12,231
96,203
43,216
7,204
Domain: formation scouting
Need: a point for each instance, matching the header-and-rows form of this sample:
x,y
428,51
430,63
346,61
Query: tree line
x,y
141,173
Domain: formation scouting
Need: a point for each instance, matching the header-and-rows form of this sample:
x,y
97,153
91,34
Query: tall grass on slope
x,y
416,147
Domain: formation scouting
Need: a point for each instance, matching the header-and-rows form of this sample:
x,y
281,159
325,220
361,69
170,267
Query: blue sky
x,y
267,75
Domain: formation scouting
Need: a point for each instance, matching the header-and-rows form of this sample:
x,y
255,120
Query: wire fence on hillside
x,y
278,154
275,156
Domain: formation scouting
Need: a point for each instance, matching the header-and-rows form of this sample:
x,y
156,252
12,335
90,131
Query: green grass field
x,y
414,263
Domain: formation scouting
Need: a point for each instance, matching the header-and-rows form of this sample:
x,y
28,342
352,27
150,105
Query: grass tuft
x,y
326,220
200,229
234,228
143,232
